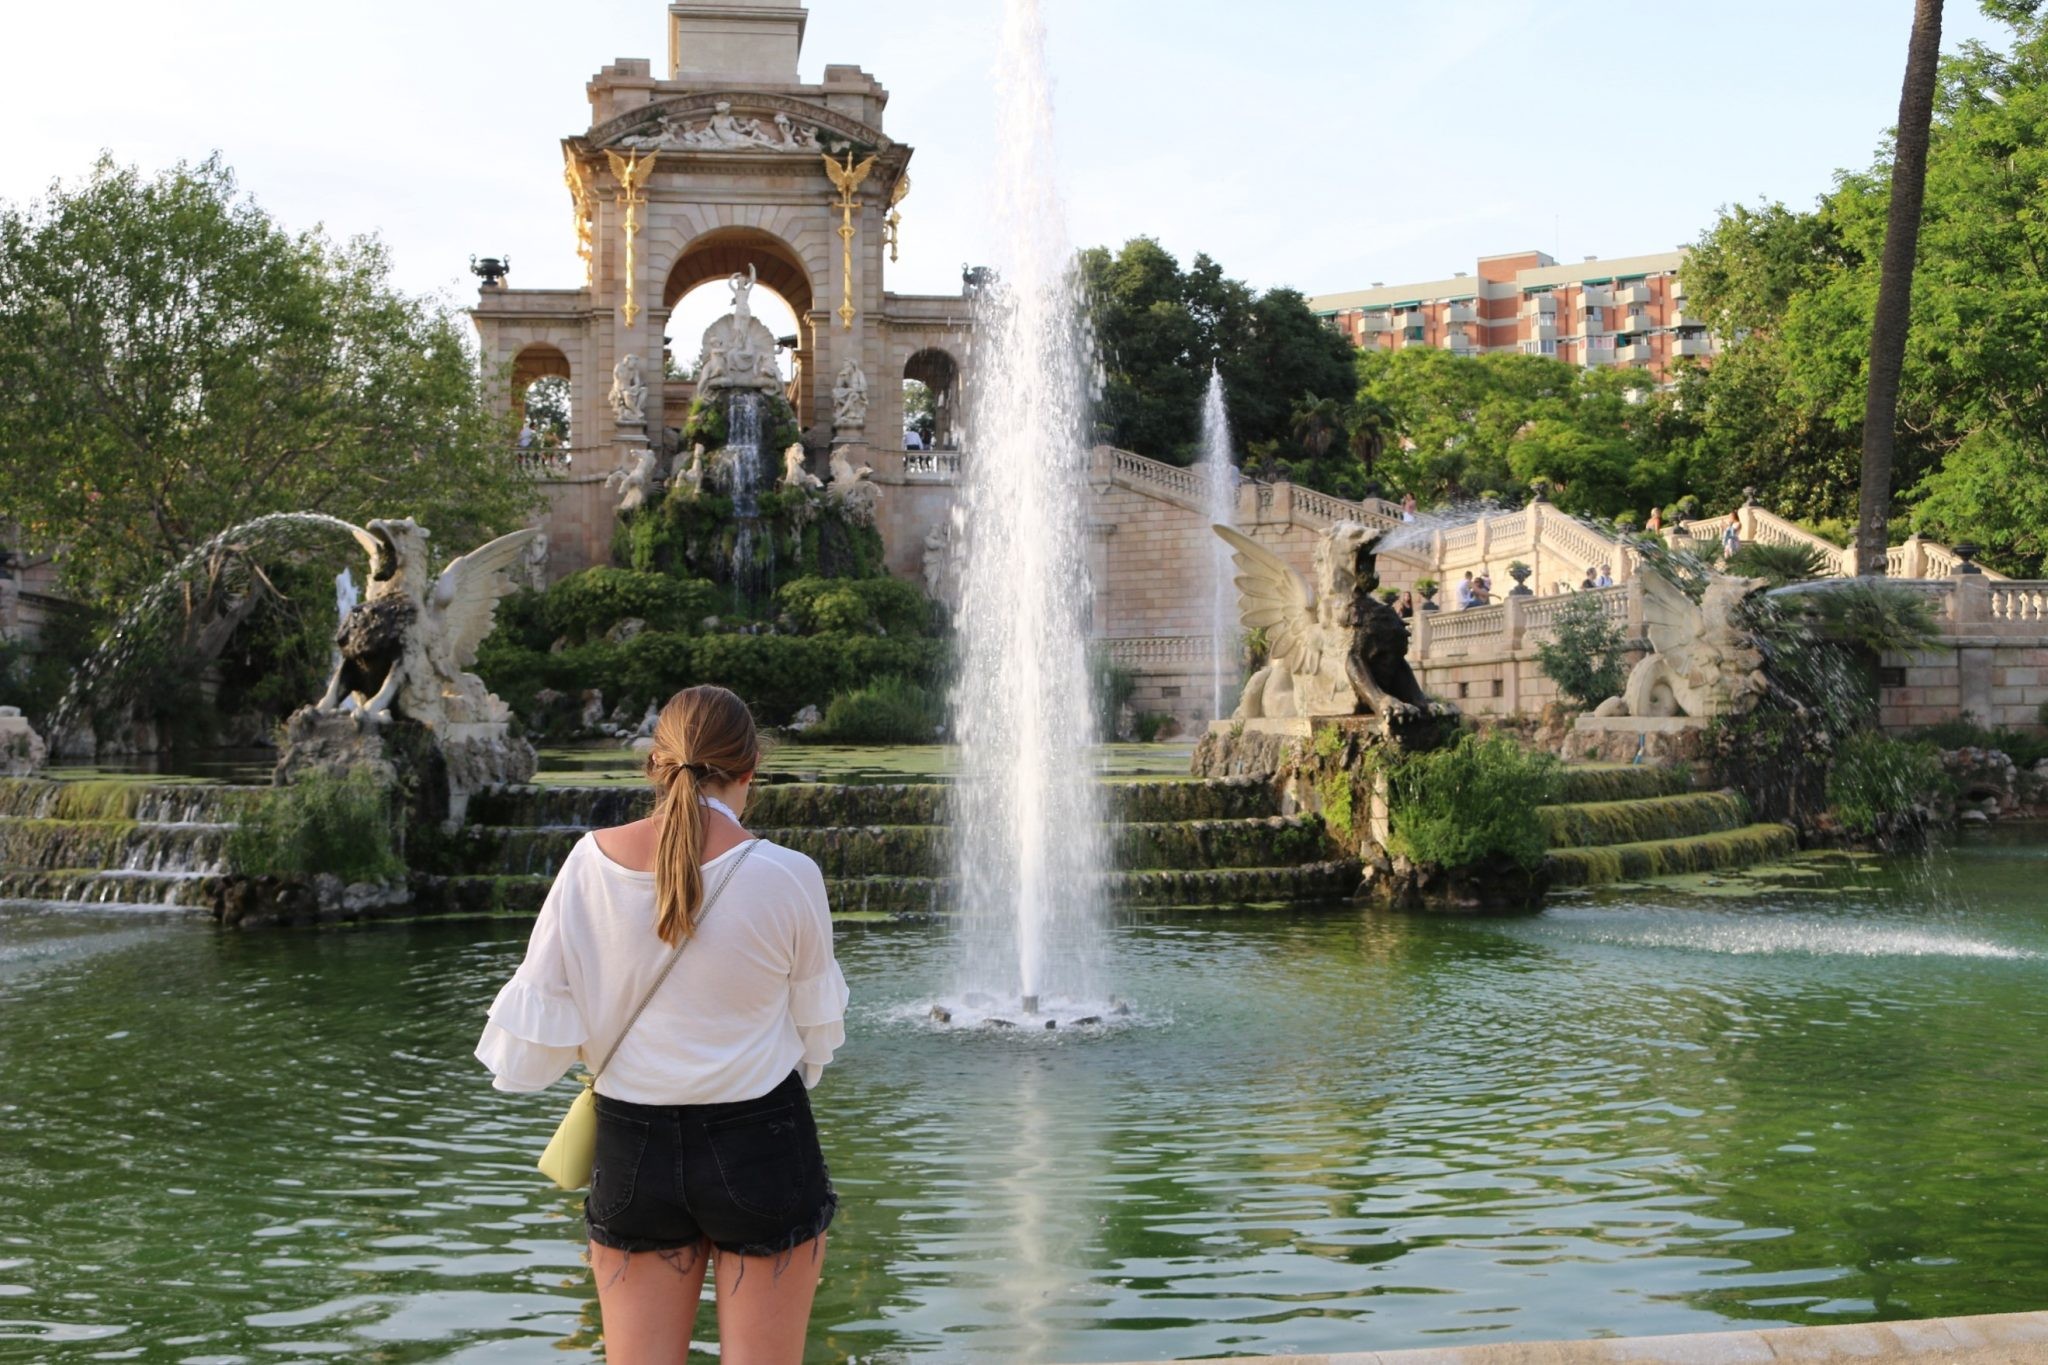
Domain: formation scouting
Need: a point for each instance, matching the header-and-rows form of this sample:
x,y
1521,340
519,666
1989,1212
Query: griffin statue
x,y
1334,650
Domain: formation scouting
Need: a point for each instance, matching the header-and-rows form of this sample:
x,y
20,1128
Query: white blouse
x,y
755,995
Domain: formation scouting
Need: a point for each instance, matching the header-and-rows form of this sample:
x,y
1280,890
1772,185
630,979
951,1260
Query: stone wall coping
x,y
2001,1339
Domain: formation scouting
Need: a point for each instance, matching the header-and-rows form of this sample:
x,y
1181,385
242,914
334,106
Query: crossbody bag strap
x,y
746,851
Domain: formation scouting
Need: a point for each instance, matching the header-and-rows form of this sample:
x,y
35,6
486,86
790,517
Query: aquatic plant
x,y
1638,820
886,711
322,823
1471,803
1597,865
1876,780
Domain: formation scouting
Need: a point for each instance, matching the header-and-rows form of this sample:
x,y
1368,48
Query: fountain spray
x,y
1220,475
1027,811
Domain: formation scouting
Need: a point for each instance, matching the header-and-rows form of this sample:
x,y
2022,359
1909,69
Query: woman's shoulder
x,y
774,864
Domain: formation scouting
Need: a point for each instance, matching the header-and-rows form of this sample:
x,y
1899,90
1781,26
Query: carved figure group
x,y
1334,649
629,392
796,478
739,350
634,481
688,482
853,489
850,397
726,131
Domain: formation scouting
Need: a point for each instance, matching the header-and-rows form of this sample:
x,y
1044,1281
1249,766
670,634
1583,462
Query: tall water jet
x,y
1030,849
1220,477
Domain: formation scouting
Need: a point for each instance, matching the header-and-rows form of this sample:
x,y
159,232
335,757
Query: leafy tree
x,y
1793,294
1586,655
172,362
547,408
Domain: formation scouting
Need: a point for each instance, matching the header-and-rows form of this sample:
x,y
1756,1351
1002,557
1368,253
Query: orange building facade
x,y
1628,311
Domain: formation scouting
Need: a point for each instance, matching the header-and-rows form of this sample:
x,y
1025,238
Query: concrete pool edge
x,y
1996,1339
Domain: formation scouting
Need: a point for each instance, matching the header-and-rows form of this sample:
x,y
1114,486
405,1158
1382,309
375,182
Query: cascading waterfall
x,y
1030,849
752,552
1220,476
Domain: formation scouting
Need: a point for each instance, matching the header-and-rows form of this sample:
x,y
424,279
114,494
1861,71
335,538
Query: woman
x,y
706,1148
1406,606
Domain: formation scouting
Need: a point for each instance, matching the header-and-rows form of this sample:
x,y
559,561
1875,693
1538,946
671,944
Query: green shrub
x,y
1876,778
1148,726
584,606
1777,564
1471,803
888,711
1585,655
322,823
2020,746
1114,686
854,606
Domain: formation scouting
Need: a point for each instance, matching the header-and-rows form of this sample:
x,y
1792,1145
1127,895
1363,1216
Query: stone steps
x,y
1724,850
1590,782
906,898
1656,817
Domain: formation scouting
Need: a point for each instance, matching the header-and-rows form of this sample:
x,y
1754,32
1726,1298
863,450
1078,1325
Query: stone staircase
x,y
1619,823
884,849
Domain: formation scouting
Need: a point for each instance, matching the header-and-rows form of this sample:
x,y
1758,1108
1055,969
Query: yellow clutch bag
x,y
572,1151
573,1148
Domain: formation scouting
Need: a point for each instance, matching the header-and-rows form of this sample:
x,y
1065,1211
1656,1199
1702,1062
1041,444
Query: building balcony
x,y
1637,323
1678,286
1543,329
1596,296
1638,353
1593,326
1461,313
1637,295
1682,318
1540,305
1375,324
1409,336
1599,357
1406,318
1694,343
1458,343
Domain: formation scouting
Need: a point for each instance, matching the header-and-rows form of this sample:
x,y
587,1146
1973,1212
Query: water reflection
x,y
1321,1133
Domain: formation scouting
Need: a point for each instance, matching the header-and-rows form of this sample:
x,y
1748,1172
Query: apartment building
x,y
1628,311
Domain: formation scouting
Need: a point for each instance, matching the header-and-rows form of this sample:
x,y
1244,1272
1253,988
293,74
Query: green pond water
x,y
1646,1112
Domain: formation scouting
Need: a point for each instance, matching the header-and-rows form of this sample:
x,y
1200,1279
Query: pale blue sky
x,y
1318,143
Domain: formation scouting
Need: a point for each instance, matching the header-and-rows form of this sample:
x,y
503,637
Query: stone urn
x,y
1520,573
1428,597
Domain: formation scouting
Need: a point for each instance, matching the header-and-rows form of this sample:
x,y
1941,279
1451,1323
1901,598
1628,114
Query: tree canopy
x,y
173,362
1159,329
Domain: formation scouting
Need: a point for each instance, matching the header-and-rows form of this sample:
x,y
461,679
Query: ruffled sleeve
x,y
536,1029
817,990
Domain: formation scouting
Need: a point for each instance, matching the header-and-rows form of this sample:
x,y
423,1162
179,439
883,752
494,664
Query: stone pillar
x,y
1915,565
1635,609
1971,604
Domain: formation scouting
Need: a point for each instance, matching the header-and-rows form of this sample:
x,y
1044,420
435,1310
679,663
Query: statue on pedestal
x,y
1703,662
1333,650
853,489
794,476
635,479
738,350
850,397
629,392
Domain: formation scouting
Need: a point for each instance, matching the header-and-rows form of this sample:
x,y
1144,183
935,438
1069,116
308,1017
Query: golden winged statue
x,y
848,178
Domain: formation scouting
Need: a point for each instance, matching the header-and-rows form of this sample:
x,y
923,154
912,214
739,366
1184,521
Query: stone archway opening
x,y
542,389
695,295
931,398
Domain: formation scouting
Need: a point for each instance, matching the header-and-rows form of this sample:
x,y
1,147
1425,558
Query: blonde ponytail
x,y
705,735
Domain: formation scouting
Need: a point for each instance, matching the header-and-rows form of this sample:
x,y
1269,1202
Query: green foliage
x,y
778,675
1779,564
1148,726
172,362
2023,747
704,425
1114,686
881,606
322,823
694,538
1585,655
1872,617
1473,802
888,711
1458,425
1876,779
1159,328
1792,292
584,606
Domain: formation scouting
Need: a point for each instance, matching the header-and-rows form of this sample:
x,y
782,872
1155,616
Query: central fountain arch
x,y
778,265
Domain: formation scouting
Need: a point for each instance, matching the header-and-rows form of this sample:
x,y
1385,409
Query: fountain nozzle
x,y
1031,1004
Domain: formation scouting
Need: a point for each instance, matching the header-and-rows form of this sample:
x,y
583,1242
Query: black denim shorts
x,y
749,1175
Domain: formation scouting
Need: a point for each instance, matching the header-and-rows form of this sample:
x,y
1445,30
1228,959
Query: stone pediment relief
x,y
740,122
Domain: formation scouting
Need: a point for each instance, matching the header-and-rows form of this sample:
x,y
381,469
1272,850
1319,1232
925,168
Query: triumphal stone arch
x,y
731,168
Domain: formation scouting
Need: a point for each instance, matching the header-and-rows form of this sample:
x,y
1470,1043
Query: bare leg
x,y
764,1304
649,1300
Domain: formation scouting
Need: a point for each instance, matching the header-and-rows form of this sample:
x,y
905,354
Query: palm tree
x,y
1895,287
1317,424
1779,564
1372,423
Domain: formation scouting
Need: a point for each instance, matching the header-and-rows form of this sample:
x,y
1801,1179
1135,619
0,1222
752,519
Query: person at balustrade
x,y
1464,592
1606,579
1592,579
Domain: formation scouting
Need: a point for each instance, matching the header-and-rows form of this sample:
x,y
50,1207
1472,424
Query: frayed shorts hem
x,y
790,1241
